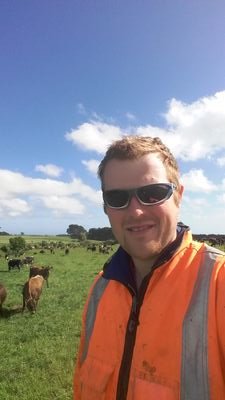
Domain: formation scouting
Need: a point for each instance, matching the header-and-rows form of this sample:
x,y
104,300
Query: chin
x,y
144,252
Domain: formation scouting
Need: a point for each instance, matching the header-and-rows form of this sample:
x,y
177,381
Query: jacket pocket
x,y
146,390
95,376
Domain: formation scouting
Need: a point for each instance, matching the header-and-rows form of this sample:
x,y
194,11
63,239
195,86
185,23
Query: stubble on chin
x,y
143,252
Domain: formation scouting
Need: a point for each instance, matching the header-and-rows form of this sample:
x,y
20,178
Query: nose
x,y
135,207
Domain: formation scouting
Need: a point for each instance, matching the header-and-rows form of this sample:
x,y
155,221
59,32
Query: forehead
x,y
133,173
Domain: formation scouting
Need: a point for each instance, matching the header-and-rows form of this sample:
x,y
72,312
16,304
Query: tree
x,y
100,234
5,249
82,237
17,245
76,231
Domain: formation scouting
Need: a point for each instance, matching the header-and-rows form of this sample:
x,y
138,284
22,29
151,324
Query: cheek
x,y
173,214
168,211
115,218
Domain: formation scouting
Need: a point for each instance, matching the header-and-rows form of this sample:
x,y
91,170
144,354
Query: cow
x,y
104,249
43,271
3,294
14,263
31,292
91,247
28,260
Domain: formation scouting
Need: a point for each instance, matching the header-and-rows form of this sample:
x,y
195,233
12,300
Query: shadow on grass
x,y
8,312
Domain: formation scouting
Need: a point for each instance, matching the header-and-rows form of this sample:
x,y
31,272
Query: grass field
x,y
38,351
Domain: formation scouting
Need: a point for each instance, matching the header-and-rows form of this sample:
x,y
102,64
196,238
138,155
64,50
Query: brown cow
x,y
3,294
31,292
43,271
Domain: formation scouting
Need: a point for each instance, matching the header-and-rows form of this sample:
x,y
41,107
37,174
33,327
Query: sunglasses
x,y
149,195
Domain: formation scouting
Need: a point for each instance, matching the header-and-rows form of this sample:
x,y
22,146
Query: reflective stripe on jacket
x,y
172,344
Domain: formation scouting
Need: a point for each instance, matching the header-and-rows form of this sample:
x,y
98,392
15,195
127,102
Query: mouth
x,y
140,228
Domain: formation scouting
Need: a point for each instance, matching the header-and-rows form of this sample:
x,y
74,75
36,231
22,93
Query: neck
x,y
142,268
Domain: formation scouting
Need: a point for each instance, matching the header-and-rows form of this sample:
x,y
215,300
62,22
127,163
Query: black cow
x,y
14,263
91,247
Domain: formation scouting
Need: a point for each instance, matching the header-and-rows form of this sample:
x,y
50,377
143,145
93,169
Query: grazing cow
x,y
28,260
104,249
3,294
91,247
14,263
31,292
43,271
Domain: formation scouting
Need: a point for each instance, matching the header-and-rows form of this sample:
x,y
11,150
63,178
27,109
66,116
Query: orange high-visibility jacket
x,y
166,342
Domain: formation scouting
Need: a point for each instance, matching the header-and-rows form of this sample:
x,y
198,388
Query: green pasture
x,y
38,351
36,238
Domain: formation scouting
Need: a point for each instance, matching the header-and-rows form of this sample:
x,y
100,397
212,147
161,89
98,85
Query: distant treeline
x,y
80,233
212,238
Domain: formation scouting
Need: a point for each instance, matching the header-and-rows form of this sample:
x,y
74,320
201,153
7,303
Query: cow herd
x,y
18,263
102,248
32,288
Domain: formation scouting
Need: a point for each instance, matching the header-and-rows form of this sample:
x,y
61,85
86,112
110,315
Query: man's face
x,y
142,230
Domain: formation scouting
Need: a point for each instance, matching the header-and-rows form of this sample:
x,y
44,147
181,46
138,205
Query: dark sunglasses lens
x,y
153,193
116,198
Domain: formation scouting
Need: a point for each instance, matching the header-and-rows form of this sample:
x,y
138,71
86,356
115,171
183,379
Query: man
x,y
154,321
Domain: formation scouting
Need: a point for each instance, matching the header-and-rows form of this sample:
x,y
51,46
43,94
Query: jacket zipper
x,y
125,366
130,338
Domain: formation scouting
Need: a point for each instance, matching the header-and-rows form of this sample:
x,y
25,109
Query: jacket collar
x,y
120,266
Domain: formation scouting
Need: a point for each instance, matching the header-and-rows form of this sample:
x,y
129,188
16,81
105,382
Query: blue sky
x,y
77,74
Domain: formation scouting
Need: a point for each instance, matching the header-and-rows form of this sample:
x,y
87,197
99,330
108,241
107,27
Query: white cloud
x,y
96,116
221,198
196,181
81,109
223,184
130,116
221,161
21,194
200,125
49,169
91,165
61,205
94,135
13,207
194,202
193,131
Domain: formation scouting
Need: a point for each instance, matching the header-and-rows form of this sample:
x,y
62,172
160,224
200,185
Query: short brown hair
x,y
134,147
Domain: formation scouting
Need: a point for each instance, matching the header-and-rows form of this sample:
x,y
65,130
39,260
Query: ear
x,y
180,194
181,191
